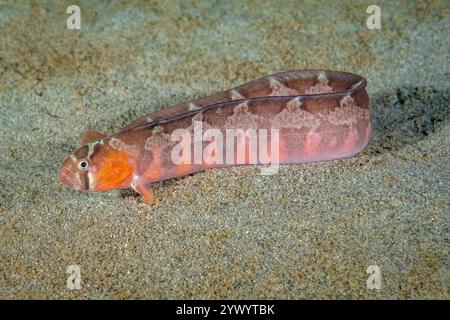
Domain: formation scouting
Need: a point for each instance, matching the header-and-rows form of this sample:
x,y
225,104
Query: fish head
x,y
96,167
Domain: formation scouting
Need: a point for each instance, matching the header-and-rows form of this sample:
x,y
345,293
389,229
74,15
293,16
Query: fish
x,y
291,117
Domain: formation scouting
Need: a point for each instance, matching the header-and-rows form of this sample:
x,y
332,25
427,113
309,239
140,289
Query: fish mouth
x,y
65,178
68,179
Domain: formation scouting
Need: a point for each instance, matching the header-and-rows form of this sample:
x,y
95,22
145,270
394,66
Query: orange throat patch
x,y
113,171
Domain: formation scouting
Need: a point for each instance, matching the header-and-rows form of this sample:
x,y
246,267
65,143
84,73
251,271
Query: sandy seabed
x,y
310,231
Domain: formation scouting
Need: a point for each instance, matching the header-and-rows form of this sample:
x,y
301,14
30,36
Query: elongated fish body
x,y
289,117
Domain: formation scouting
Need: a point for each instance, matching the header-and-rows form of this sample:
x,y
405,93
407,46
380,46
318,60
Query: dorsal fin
x,y
90,136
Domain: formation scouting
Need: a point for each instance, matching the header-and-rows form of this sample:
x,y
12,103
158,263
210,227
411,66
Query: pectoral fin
x,y
147,196
144,189
90,136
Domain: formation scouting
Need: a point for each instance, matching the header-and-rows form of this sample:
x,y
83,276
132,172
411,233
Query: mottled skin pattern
x,y
320,115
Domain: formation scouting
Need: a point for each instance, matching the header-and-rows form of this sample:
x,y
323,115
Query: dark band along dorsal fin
x,y
90,136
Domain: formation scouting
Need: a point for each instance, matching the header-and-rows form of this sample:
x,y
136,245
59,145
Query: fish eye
x,y
83,164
